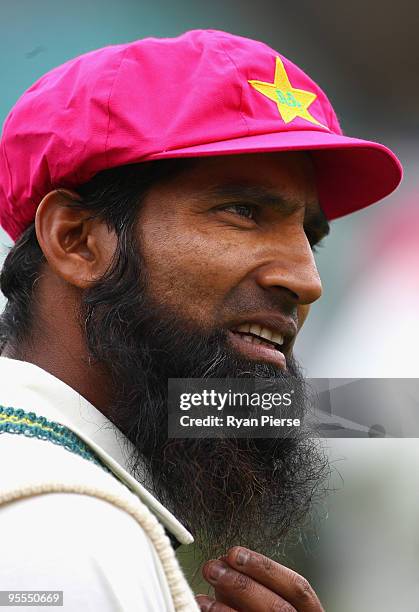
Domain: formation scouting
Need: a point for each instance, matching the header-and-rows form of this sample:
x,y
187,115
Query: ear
x,y
77,249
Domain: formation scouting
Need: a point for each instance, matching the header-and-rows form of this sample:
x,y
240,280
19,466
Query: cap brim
x,y
351,173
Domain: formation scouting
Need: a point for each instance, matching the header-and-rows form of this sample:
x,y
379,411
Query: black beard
x,y
252,492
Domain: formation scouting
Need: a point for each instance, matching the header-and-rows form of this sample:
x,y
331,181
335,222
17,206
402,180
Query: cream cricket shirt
x,y
67,524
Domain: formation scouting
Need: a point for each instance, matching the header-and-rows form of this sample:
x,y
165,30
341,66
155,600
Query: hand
x,y
246,581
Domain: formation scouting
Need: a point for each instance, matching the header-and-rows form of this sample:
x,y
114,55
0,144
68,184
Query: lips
x,y
259,334
263,341
255,351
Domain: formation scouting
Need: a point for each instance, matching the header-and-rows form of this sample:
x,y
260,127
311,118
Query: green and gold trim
x,y
17,421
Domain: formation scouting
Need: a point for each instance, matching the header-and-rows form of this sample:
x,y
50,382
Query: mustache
x,y
249,301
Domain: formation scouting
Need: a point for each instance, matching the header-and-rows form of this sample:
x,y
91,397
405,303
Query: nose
x,y
291,266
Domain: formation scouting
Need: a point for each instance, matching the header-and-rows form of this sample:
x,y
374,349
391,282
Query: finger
x,y
242,592
207,604
280,605
278,578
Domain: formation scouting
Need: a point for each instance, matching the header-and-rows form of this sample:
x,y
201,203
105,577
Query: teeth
x,y
277,338
244,327
255,329
258,330
266,333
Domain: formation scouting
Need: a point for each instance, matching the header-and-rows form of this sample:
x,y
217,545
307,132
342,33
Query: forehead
x,y
289,174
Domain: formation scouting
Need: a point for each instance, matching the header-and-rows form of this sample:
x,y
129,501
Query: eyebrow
x,y
315,220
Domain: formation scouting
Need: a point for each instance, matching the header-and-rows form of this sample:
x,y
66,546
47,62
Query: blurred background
x,y
365,555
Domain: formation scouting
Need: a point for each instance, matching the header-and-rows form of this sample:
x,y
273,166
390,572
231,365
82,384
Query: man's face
x,y
228,244
225,244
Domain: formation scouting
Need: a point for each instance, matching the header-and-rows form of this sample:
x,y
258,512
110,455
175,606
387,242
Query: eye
x,y
243,210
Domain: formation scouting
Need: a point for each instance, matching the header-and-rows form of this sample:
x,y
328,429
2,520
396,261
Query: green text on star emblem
x,y
291,102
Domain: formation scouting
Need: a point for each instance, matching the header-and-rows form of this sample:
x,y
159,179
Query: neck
x,y
69,365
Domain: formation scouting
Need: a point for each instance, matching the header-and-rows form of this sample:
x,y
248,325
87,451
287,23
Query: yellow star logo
x,y
291,102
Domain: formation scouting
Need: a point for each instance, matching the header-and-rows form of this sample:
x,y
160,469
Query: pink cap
x,y
204,93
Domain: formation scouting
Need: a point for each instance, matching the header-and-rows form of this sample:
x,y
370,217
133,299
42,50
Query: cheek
x,y
192,273
302,312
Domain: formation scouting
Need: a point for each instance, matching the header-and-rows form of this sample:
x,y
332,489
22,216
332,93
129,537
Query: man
x,y
165,197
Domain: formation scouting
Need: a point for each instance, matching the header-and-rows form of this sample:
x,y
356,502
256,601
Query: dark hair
x,y
113,195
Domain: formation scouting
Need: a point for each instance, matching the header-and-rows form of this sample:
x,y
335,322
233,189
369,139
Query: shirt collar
x,y
27,386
